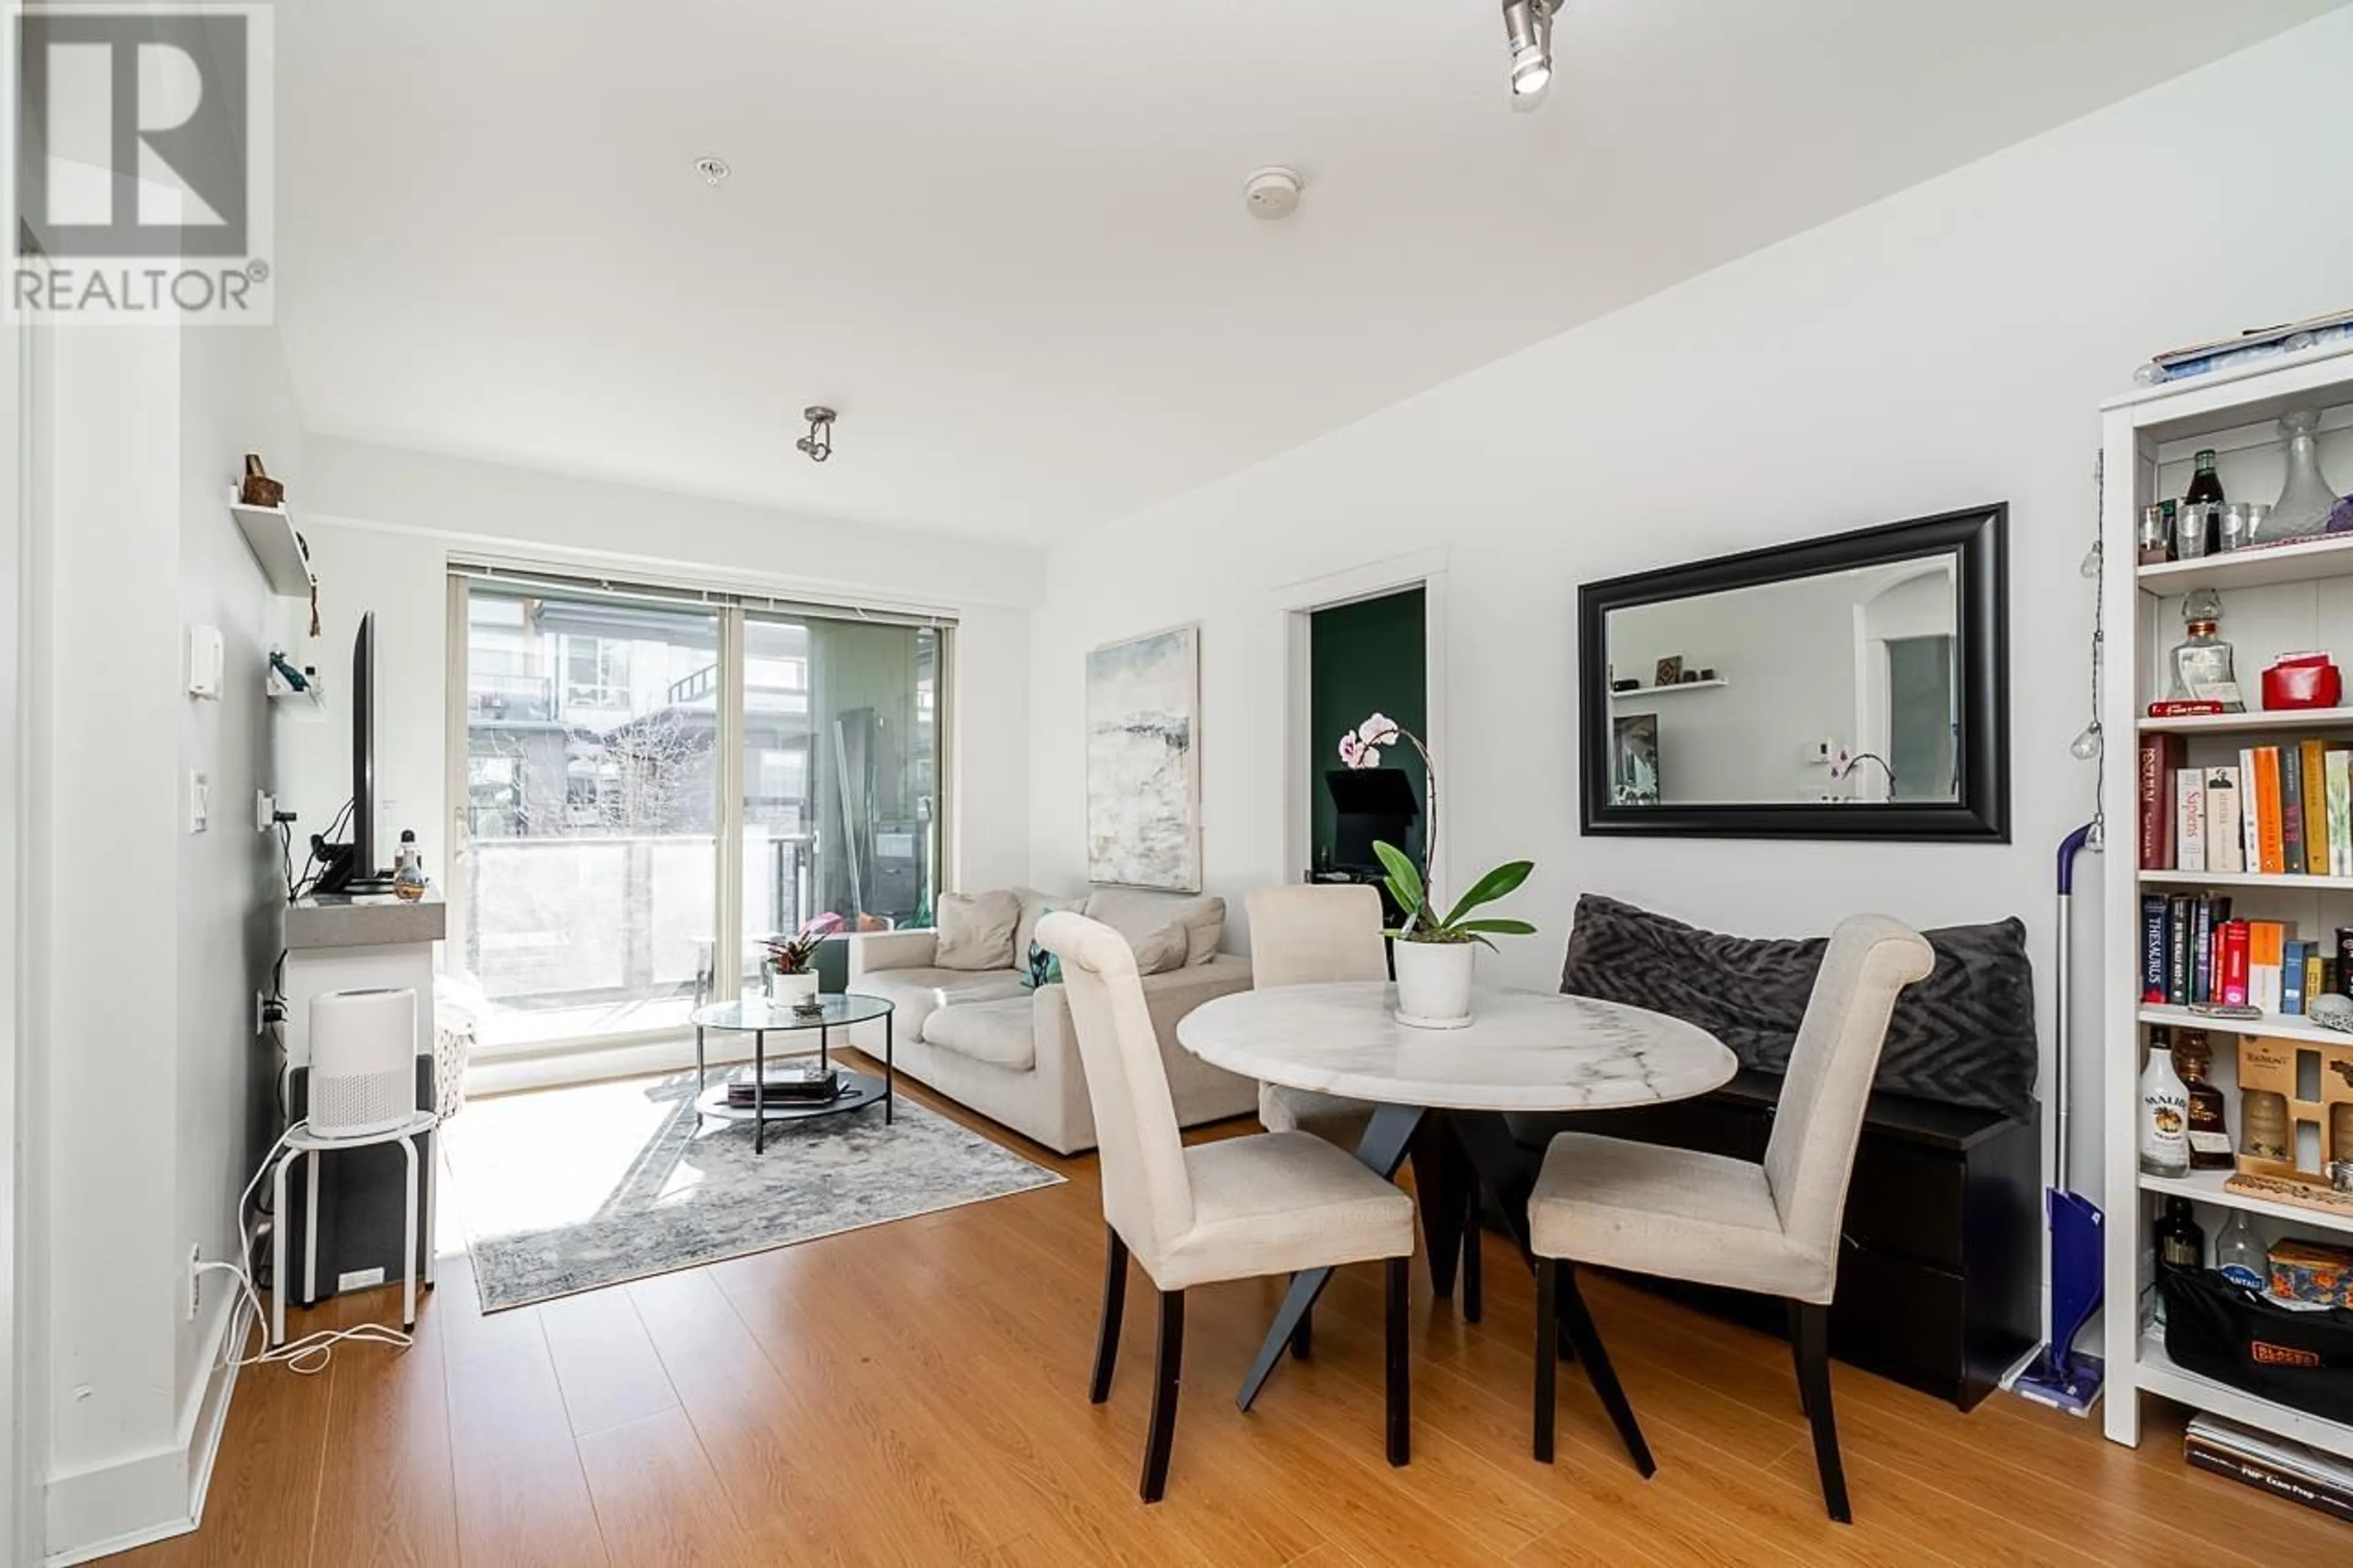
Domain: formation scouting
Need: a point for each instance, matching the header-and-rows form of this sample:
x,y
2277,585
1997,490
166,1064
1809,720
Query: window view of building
x,y
594,799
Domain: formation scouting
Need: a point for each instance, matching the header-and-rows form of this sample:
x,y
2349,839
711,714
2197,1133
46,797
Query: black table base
x,y
1458,1156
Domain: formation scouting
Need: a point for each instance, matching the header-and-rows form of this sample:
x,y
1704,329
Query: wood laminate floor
x,y
916,1393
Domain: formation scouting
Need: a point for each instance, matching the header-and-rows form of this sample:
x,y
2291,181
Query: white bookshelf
x,y
2274,601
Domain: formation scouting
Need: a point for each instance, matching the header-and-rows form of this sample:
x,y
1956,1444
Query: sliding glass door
x,y
840,776
619,751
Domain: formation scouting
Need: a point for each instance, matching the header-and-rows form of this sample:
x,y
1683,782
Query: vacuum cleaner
x,y
2060,1375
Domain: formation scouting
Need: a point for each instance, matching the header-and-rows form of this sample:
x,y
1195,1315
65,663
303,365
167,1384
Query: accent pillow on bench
x,y
1964,1035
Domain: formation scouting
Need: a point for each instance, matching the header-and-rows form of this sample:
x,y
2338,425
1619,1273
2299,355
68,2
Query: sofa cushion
x,y
1036,906
1163,951
1965,1036
914,995
1138,914
976,929
1001,1033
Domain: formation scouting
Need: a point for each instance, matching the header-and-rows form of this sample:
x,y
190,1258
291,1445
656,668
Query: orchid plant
x,y
793,954
1416,894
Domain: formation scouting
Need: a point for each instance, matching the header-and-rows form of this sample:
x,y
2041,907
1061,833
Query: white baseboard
x,y
87,1510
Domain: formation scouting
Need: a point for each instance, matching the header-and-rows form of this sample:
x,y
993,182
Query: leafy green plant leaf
x,y
1496,927
1405,882
1504,879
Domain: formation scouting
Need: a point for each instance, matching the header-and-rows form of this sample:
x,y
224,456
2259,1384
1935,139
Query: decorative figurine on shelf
x,y
409,880
260,488
2306,502
2201,662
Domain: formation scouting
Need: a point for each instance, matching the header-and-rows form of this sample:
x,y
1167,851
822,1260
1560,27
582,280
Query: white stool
x,y
300,1140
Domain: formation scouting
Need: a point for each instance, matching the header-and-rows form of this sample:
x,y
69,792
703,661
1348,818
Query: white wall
x,y
147,940
1944,347
384,524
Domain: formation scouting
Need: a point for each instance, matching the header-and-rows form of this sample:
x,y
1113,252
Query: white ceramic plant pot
x,y
1433,983
792,990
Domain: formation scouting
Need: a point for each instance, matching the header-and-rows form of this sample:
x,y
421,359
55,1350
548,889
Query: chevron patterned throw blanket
x,y
1964,1035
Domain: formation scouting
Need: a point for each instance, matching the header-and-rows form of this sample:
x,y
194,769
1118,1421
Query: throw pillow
x,y
1045,969
975,931
1161,952
1137,913
1035,907
1964,1035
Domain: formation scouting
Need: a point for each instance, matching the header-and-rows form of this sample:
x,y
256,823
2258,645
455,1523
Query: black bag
x,y
2218,1330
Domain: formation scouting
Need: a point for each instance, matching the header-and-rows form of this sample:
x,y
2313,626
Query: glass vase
x,y
2305,500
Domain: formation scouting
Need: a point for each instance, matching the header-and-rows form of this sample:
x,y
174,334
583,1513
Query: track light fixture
x,y
1528,29
818,442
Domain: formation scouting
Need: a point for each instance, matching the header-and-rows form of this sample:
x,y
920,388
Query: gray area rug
x,y
567,1190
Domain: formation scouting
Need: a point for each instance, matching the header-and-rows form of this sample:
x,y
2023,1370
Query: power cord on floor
x,y
313,1352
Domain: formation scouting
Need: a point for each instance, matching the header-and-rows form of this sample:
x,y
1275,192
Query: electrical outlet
x,y
200,800
265,811
195,1280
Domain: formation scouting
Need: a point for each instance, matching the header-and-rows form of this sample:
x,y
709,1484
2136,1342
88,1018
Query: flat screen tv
x,y
354,867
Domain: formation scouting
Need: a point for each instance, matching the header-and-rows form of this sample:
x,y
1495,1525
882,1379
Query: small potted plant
x,y
791,964
1435,952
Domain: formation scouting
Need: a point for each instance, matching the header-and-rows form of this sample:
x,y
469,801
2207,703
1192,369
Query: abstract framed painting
x,y
1143,761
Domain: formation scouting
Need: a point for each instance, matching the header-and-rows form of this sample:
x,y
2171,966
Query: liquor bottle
x,y
2205,492
2164,1118
2202,663
2180,1242
2208,1131
2239,1254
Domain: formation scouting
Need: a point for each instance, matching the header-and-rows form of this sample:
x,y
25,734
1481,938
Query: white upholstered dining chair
x,y
1274,1203
1772,1228
1308,934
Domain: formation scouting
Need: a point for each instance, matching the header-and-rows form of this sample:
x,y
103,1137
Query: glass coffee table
x,y
856,1090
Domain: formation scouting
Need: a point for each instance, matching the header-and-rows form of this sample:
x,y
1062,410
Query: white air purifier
x,y
363,1062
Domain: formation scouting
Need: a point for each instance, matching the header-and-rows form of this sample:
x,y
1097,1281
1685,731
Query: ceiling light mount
x,y
1527,32
818,442
712,168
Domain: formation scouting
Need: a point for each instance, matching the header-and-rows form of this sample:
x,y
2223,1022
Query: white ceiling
x,y
1005,237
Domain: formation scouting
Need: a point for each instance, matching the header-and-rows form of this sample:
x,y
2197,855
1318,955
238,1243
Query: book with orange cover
x,y
2266,945
2271,854
2313,756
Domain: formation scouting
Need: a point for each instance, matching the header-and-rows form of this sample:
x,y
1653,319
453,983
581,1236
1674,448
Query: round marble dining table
x,y
1523,1052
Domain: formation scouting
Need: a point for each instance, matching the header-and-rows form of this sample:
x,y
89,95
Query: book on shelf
x,y
2234,963
2266,945
2313,758
2160,757
2291,787
2270,843
2201,952
2291,957
2189,820
2336,782
2225,852
2282,810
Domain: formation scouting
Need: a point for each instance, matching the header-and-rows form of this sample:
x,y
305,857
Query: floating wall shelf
x,y
269,534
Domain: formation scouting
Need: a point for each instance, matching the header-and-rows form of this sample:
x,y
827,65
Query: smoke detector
x,y
1271,193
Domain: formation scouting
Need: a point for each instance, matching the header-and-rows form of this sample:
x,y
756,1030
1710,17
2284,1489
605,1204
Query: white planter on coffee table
x,y
1433,983
787,990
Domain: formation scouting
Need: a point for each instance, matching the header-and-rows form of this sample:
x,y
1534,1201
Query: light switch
x,y
207,658
200,801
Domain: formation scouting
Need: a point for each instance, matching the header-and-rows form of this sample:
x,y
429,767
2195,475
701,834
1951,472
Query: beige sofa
x,y
984,1041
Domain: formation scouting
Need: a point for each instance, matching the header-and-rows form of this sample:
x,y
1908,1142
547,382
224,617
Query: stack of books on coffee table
x,y
785,1083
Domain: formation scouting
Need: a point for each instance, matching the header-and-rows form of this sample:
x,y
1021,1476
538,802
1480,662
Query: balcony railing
x,y
509,698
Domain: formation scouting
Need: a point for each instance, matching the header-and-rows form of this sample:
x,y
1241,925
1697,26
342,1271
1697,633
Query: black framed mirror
x,y
1851,687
